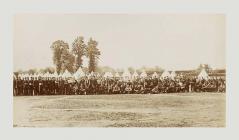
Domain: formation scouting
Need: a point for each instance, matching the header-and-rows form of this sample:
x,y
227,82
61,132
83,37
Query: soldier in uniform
x,y
82,90
147,85
128,88
36,86
41,86
14,86
66,87
56,86
20,87
47,86
62,88
101,88
52,89
136,88
116,89
30,87
155,90
25,86
87,86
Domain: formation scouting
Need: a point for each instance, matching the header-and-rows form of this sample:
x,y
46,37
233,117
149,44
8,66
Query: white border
x,y
9,8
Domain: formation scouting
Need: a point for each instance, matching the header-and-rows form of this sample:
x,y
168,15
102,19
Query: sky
x,y
170,41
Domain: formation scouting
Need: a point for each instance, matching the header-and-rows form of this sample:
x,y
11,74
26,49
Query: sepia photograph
x,y
119,70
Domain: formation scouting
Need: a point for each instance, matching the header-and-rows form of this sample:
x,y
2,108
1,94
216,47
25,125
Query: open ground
x,y
149,110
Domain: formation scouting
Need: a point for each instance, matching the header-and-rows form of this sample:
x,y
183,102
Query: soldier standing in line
x,y
14,86
128,88
20,87
52,86
56,86
65,87
47,85
61,87
82,90
36,86
116,89
30,87
87,86
25,86
41,86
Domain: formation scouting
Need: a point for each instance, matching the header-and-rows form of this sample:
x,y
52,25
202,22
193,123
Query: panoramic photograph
x,y
119,70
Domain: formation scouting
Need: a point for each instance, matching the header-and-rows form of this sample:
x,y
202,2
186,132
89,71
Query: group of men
x,y
32,86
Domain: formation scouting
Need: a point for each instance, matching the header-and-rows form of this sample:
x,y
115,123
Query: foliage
x,y
93,53
78,49
59,47
67,60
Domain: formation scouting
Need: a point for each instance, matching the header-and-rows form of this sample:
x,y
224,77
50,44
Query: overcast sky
x,y
170,41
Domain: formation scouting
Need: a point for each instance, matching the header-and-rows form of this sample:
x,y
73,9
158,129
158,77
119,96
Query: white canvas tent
x,y
51,75
135,75
35,75
108,75
26,75
79,73
90,74
39,75
203,75
117,75
46,75
60,75
165,74
143,74
98,75
30,75
66,74
155,75
126,75
55,74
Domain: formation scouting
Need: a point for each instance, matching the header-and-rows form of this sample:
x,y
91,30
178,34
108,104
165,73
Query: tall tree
x,y
68,61
58,47
78,49
93,53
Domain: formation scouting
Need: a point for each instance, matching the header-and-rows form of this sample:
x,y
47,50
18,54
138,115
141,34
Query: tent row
x,y
126,75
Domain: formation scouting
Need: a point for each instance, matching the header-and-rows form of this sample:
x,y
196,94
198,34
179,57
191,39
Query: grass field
x,y
161,110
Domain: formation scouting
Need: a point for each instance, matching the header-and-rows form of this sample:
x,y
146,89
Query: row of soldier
x,y
29,86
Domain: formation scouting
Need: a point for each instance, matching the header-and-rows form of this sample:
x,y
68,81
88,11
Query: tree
x,y
58,47
68,61
78,49
93,53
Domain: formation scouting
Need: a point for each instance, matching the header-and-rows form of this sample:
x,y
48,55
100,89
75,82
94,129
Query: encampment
x,y
203,75
143,74
155,75
79,73
165,74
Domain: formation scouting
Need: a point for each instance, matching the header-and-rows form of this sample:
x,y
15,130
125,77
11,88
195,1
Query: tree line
x,y
71,60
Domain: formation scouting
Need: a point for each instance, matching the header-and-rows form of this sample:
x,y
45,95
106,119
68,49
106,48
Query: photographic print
x,y
119,70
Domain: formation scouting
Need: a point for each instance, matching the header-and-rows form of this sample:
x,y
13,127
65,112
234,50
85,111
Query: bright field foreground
x,y
161,110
